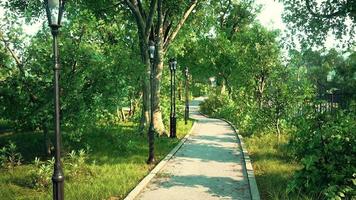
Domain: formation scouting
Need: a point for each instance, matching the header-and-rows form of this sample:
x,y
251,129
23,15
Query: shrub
x,y
42,174
325,146
213,105
76,163
75,166
247,116
9,157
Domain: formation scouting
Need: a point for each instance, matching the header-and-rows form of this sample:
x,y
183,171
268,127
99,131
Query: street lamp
x,y
186,113
151,135
329,78
173,119
54,10
212,81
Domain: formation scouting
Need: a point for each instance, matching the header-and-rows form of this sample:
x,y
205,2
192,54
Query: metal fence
x,y
327,103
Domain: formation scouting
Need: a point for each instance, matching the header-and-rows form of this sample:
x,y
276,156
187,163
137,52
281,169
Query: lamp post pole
x,y
58,176
54,11
173,119
171,102
151,131
186,113
174,100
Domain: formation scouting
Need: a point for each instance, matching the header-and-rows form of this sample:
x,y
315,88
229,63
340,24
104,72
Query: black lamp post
x,y
151,135
212,81
173,119
54,10
186,113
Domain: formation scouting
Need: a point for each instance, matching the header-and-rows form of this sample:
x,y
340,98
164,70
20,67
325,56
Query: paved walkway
x,y
208,166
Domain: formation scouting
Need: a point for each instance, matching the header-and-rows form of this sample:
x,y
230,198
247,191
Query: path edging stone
x,y
255,195
143,183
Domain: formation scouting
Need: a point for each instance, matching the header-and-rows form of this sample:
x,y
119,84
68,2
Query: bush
x,y
325,146
76,163
75,167
213,105
247,116
9,157
41,176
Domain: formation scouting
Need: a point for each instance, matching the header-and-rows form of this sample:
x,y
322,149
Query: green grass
x,y
272,166
116,162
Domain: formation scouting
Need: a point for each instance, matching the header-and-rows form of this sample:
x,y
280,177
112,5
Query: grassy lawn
x,y
273,169
113,166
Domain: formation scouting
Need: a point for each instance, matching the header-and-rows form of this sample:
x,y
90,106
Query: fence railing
x,y
327,103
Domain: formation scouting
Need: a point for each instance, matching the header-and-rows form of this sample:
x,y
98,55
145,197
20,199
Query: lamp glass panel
x,y
171,64
175,65
152,51
53,6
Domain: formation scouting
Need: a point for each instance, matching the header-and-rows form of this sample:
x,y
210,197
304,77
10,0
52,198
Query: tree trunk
x,y
227,85
123,114
180,91
260,90
145,114
157,114
134,107
162,37
47,141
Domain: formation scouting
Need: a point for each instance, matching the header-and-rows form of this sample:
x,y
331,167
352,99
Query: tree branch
x,y
234,29
140,22
140,8
20,66
167,25
149,20
165,17
343,10
159,18
166,32
186,14
13,55
224,13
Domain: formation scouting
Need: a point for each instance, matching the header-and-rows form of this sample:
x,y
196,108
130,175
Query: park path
x,y
208,166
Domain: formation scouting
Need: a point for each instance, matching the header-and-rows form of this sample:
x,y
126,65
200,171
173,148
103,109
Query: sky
x,y
271,14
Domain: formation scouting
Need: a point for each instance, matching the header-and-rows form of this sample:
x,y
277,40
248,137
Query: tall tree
x,y
318,18
170,18
94,73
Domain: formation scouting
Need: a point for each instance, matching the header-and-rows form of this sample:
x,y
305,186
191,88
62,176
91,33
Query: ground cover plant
x,y
108,162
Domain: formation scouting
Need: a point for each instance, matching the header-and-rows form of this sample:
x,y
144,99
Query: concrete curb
x,y
137,190
255,195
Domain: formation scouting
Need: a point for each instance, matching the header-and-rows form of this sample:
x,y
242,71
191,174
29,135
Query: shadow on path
x,y
208,152
216,186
